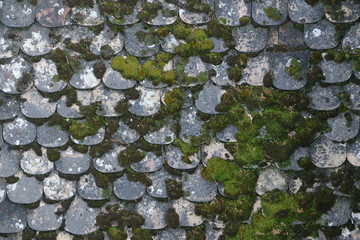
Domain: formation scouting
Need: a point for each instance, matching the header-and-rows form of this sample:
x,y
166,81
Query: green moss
x,y
99,70
294,69
196,233
213,58
174,189
100,149
138,177
53,154
130,155
244,20
129,67
186,149
218,30
66,65
198,6
150,10
272,13
142,234
222,20
315,74
315,57
46,235
117,9
103,221
80,3
114,233
83,48
172,218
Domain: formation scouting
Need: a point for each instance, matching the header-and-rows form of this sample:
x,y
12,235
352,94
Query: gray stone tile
x,y
353,91
250,39
85,16
2,190
44,217
150,163
85,78
17,14
68,112
52,13
72,162
219,45
12,217
57,188
320,35
125,134
344,127
215,149
25,191
114,80
197,189
107,37
33,164
148,104
91,140
174,158
87,188
258,12
324,98
51,136
338,215
271,179
153,212
256,68
228,134
209,98
128,19
351,12
36,41
10,45
353,153
190,125
19,132
36,106
45,72
108,99
172,234
160,19
336,72
169,43
158,187
9,108
109,162
290,36
9,161
301,12
352,37
195,18
232,11
186,211
128,190
163,136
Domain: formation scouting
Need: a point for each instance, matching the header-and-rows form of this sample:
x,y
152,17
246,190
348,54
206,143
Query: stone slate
x,y
52,13
128,190
85,78
109,162
320,35
25,191
190,125
153,212
85,16
148,84
17,14
160,19
13,73
232,11
197,189
173,157
19,132
194,67
107,37
91,140
250,39
68,112
10,107
9,161
301,12
57,188
163,136
256,68
147,104
352,37
295,157
351,11
9,46
125,134
33,164
325,153
72,162
271,179
51,136
215,149
340,131
44,72
282,80
36,41
324,98
290,36
195,18
228,134
169,43
1,139
80,219
44,217
36,106
258,13
335,72
2,190
219,45
172,234
87,189
353,153
150,163
128,19
186,211
221,78
108,99
212,233
12,217
114,80
136,47
158,187
338,215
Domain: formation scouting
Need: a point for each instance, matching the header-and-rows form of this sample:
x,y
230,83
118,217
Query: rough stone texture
x,y
128,190
150,163
80,219
153,212
228,134
290,36
343,129
338,215
195,18
107,37
114,80
19,132
88,189
208,98
108,99
51,136
258,12
109,162
125,134
57,188
17,14
197,189
148,104
2,190
9,161
232,11
190,125
72,162
85,78
44,72
295,157
172,234
325,153
256,68
271,179
35,41
91,140
85,16
163,136
352,37
250,39
215,149
10,107
351,11
219,45
52,13
65,111
186,211
320,35
9,47
36,106
12,217
173,157
194,67
33,164
336,72
301,12
44,218
169,43
353,153
324,98
25,191
160,19
136,47
128,19
212,233
158,187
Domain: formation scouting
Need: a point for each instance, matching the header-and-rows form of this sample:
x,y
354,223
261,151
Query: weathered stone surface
x,y
169,43
88,189
320,35
114,80
139,48
174,158
10,107
271,179
9,46
212,233
25,191
345,126
163,136
350,12
9,161
44,217
68,112
150,163
258,11
52,13
33,164
35,41
195,18
353,153
108,99
2,190
190,125
219,45
125,134
72,162
250,39
128,190
186,211
215,149
45,71
336,72
158,187
17,14
51,136
229,12
85,16
172,234
228,134
221,78
148,103
290,36
107,37
57,188
197,189
36,106
160,19
193,69
128,19
12,74
153,212
338,215
256,68
301,12
91,140
109,162
352,37
209,98
80,219
324,98
19,132
295,157
85,78
284,81
325,153
12,217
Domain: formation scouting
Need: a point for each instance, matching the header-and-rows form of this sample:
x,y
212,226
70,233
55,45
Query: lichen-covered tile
x,y
86,78
169,43
52,13
271,179
190,125
2,190
324,98
91,140
256,69
352,37
150,163
130,17
191,14
348,11
86,16
148,104
17,14
9,106
51,136
232,12
125,134
320,35
296,157
108,99
302,12
109,162
343,127
36,106
167,13
172,234
12,217
114,80
45,73
271,12
291,35
186,212
10,42
335,72
163,136
215,149
33,164
153,211
325,153
68,112
44,217
87,189
57,188
36,41
220,45
228,134
158,187
9,161
338,215
353,92
128,190
209,98
176,159
19,132
353,153
213,233
250,39
107,42
72,162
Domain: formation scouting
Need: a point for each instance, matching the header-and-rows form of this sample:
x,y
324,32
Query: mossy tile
x,y
153,212
190,125
172,234
353,91
72,162
169,43
228,134
148,104
12,217
215,149
197,189
320,35
353,153
114,80
271,179
344,127
158,187
85,16
221,78
250,39
19,132
352,37
85,78
91,140
125,134
338,215
128,190
9,39
256,69
36,106
336,72
57,188
325,153
324,98
269,13
81,219
2,190
17,14
229,12
175,158
130,18
65,111
44,74
87,188
163,136
44,217
14,77
295,158
186,212
36,41
209,98
53,13
25,191
107,37
109,163
190,17
9,161
302,12
108,99
162,17
349,11
33,164
150,163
